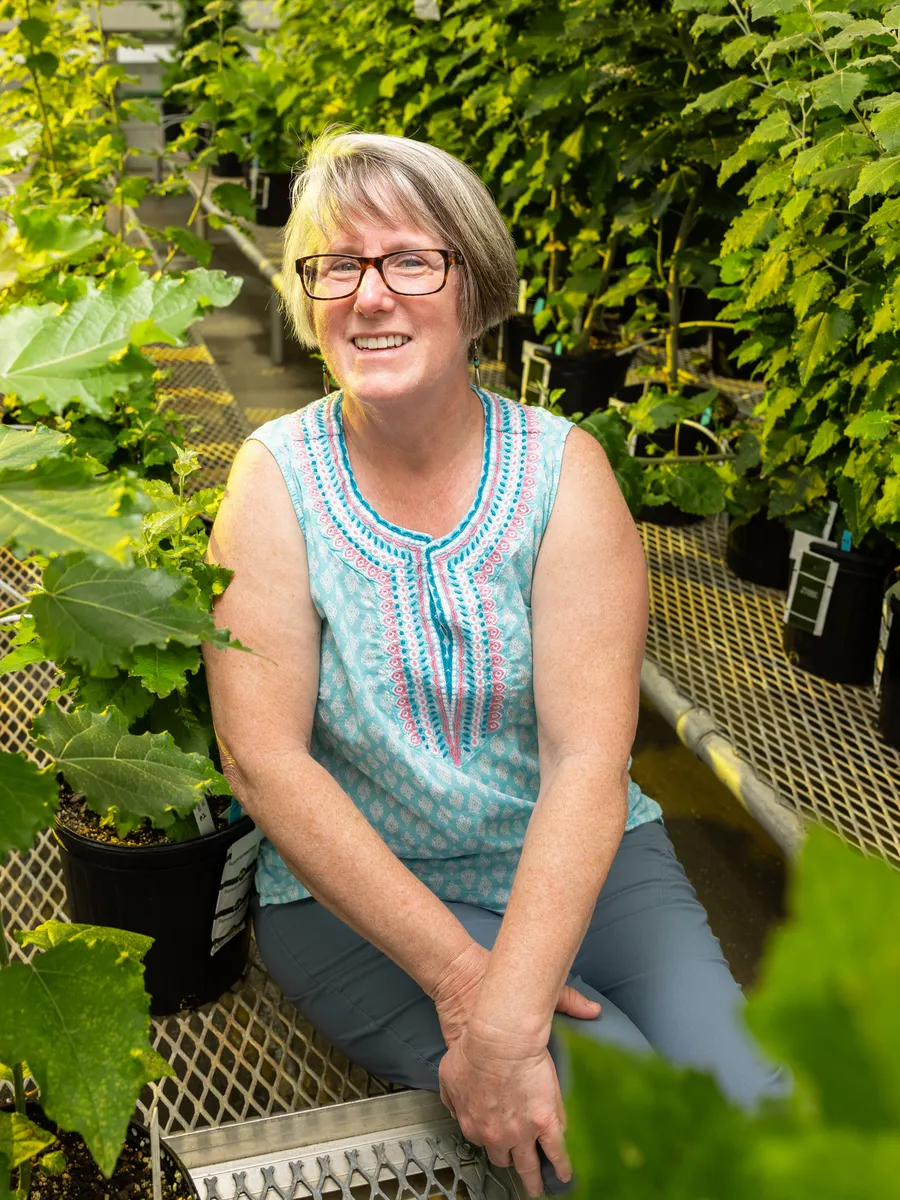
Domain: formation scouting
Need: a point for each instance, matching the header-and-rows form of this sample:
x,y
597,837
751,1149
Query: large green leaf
x,y
130,778
842,88
695,488
79,352
58,506
877,178
23,448
28,799
20,1139
885,125
97,613
819,339
80,1016
875,425
54,933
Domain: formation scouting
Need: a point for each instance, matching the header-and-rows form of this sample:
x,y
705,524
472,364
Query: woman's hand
x,y
505,1095
457,991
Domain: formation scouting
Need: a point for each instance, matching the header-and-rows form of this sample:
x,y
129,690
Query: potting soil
x,y
131,1180
74,814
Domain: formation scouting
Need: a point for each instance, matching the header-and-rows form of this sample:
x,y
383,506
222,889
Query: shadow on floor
x,y
737,870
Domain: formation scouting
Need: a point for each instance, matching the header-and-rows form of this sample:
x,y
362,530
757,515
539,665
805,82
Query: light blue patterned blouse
x,y
425,714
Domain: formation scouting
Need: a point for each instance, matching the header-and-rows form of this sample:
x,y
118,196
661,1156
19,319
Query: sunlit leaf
x,y
28,800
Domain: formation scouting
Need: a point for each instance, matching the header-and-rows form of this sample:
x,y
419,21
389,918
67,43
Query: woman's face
x,y
435,349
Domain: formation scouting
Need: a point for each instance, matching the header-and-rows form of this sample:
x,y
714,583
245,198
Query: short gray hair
x,y
375,176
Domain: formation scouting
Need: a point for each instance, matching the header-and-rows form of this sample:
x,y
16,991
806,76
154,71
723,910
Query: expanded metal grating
x,y
718,639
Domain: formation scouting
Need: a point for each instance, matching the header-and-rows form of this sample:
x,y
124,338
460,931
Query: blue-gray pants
x,y
648,956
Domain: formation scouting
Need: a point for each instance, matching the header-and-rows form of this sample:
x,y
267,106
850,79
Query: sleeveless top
x,y
425,714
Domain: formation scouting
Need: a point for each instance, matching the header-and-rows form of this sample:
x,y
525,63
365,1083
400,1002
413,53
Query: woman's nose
x,y
372,293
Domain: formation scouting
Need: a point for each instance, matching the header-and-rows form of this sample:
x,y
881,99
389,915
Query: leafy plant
x,y
641,1128
810,267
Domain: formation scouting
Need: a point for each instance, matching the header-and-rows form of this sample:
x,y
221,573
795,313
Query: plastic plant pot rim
x,y
124,858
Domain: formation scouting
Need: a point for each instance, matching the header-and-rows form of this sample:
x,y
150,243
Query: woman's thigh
x,y
650,951
366,1005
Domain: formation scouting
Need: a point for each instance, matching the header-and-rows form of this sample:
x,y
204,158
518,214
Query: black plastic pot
x,y
228,166
845,650
169,892
692,439
518,329
759,550
589,379
273,197
889,698
629,393
172,128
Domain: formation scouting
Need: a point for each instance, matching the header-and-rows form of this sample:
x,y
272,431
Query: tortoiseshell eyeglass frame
x,y
452,258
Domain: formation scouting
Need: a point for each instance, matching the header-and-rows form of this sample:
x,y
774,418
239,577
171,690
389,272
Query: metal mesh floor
x,y
718,639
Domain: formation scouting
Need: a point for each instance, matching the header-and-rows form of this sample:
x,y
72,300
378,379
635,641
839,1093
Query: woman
x,y
447,601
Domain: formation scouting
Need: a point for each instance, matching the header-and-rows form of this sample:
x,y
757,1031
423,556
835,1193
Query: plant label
x,y
812,583
887,617
233,900
204,817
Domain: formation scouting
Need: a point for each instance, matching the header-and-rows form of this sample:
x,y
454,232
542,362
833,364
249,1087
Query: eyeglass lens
x,y
409,272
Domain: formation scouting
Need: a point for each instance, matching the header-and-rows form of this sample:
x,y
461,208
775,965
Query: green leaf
x,y
130,778
54,933
856,512
854,33
874,425
876,178
885,124
656,410
43,63
842,89
21,1139
190,243
21,448
807,290
58,507
720,98
64,355
827,434
18,141
819,338
695,488
20,657
164,671
235,199
28,800
79,1014
892,18
771,8
98,613
50,236
796,206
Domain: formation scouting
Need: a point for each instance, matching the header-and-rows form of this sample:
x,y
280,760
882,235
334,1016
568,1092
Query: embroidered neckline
x,y
399,532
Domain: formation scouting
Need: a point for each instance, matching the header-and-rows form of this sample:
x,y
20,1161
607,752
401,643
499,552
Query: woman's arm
x,y
263,705
589,621
589,615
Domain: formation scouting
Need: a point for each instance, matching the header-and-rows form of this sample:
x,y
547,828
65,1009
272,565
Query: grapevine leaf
x,y
874,425
78,352
696,488
28,799
805,291
21,1139
97,613
876,178
129,777
819,338
54,933
23,448
724,97
842,88
165,670
58,507
23,656
856,513
79,1014
235,199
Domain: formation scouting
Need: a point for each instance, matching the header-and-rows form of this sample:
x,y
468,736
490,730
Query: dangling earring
x,y
476,363
326,380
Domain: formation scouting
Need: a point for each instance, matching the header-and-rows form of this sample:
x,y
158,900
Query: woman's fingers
x,y
525,1160
554,1147
574,1004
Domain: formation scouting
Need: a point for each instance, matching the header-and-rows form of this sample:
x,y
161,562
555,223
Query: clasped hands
x,y
501,1086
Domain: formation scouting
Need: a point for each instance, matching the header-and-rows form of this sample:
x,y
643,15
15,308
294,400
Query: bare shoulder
x,y
256,518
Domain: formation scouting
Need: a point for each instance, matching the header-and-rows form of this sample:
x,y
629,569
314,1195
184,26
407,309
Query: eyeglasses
x,y
405,272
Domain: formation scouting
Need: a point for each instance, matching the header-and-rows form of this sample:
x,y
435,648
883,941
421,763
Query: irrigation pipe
x,y
698,731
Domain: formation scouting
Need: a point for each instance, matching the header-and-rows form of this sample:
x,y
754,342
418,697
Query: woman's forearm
x,y
337,855
572,839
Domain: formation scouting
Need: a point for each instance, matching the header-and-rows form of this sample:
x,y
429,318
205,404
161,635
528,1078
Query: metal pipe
x,y
698,731
276,330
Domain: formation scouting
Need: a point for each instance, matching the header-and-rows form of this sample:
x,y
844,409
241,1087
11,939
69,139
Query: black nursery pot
x,y
518,329
759,550
228,166
589,379
172,129
889,703
273,197
169,892
845,650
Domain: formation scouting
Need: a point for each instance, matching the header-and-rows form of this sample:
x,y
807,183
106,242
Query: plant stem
x,y
7,612
114,109
673,289
18,1071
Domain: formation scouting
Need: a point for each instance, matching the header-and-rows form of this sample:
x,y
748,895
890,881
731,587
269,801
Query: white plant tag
x,y
233,900
427,10
204,817
812,584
